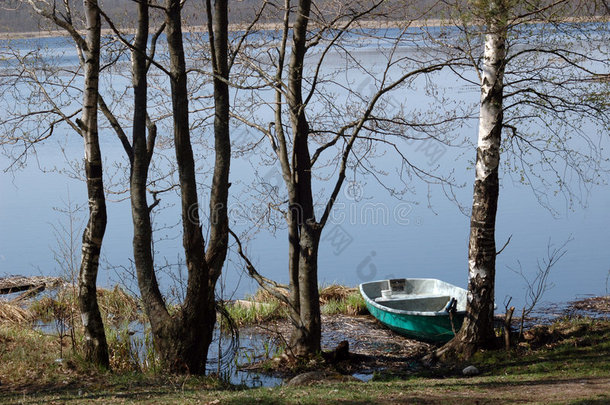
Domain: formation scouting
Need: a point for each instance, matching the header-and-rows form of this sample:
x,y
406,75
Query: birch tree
x,y
557,84
96,348
478,326
42,81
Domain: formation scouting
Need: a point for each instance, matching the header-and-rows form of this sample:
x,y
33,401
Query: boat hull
x,y
423,309
436,329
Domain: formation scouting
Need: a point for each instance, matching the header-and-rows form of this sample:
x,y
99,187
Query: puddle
x,y
252,347
364,377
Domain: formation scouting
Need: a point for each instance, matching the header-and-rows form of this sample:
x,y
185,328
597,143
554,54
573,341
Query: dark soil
x,y
372,347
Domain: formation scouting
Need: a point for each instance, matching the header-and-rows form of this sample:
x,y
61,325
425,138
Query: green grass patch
x,y
197,391
249,312
28,355
579,347
352,304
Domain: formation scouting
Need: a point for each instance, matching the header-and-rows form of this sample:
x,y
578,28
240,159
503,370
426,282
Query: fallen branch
x,y
13,284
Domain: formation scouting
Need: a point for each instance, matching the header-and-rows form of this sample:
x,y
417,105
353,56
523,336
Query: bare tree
x,y
182,337
539,284
297,82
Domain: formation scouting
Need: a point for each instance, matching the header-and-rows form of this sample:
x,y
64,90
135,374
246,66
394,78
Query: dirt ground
x,y
373,347
577,391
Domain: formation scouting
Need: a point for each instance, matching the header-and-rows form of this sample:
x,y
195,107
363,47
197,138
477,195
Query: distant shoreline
x,y
232,28
370,24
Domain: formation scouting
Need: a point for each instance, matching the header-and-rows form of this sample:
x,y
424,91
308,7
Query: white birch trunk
x,y
96,349
477,330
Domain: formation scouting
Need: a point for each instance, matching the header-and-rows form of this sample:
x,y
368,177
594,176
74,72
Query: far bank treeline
x,y
540,70
17,16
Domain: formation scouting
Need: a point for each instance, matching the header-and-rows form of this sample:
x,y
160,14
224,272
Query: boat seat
x,y
405,296
419,303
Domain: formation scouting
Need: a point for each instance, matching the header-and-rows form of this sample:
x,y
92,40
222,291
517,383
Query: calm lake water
x,y
371,235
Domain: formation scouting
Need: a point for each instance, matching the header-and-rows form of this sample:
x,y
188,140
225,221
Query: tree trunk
x,y
219,232
477,330
152,298
281,149
218,33
306,335
96,348
183,343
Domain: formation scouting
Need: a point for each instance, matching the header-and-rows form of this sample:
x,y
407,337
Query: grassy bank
x,y
263,307
572,367
566,362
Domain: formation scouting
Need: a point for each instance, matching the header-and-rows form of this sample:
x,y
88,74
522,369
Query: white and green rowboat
x,y
419,308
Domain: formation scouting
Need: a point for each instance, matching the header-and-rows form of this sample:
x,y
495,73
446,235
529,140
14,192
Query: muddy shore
x,y
373,347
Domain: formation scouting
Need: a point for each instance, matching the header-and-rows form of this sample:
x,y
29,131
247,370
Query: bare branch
x,y
268,285
118,129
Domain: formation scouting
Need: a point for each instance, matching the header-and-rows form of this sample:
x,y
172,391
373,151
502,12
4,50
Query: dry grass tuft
x,y
265,296
118,306
593,304
11,313
335,292
329,293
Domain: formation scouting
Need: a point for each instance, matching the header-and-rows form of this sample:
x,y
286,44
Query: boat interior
x,y
421,295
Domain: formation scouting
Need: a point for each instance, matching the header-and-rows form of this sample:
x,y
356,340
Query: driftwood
x,y
13,284
247,304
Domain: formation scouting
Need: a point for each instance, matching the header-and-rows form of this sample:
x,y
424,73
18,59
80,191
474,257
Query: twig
x,y
268,284
503,247
280,336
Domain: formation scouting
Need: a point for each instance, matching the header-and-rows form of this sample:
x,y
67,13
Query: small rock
x,y
471,370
